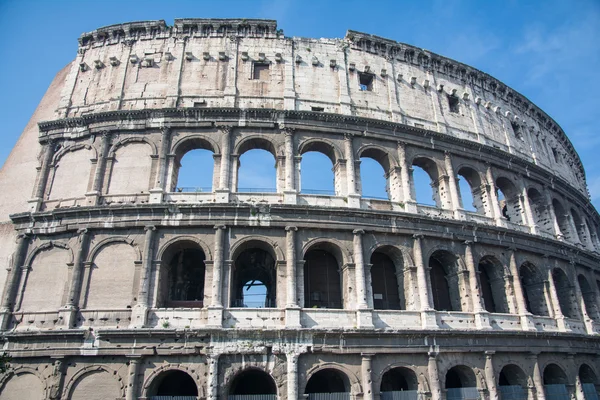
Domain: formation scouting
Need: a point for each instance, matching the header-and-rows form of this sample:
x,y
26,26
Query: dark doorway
x,y
253,382
322,283
176,383
254,280
384,282
327,381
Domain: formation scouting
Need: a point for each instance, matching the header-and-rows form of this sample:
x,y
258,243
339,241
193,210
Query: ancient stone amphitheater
x,y
120,284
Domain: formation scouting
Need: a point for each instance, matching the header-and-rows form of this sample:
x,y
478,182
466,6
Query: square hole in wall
x,y
365,81
260,71
453,104
320,109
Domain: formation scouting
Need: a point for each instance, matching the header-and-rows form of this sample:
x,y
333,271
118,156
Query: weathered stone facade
x,y
118,285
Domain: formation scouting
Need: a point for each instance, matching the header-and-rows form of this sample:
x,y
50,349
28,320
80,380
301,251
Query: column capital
x,y
367,356
287,131
217,227
290,228
468,243
433,354
82,231
358,232
149,228
348,136
224,128
512,248
489,353
418,236
401,144
165,130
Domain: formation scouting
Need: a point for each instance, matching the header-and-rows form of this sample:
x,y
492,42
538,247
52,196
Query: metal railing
x,y
589,391
256,190
173,398
252,397
400,395
373,197
556,392
512,392
189,189
241,303
329,396
323,192
468,393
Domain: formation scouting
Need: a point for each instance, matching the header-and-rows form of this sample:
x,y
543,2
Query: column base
x,y
428,319
364,319
139,316
562,325
482,321
527,323
290,197
156,196
292,317
68,316
222,196
5,319
354,200
215,317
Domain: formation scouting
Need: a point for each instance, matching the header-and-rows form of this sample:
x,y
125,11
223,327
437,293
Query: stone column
x,y
490,375
215,310
12,281
225,172
292,311
456,206
558,314
404,175
290,171
538,382
363,315
555,228
525,315
428,319
72,304
35,204
292,375
493,196
132,372
434,376
367,380
481,319
140,310
579,394
587,320
353,197
530,220
96,193
156,193
212,381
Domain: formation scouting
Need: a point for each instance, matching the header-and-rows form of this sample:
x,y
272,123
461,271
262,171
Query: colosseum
x,y
119,283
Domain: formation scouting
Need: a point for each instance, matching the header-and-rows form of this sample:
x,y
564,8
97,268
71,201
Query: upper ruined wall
x,y
211,63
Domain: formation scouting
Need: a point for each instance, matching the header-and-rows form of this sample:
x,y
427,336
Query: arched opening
x,y
322,280
257,171
425,182
512,383
399,383
254,279
471,190
508,199
539,209
444,278
555,383
194,167
533,284
565,293
562,219
491,280
183,264
385,283
588,382
589,297
250,383
328,381
461,384
375,170
174,383
317,174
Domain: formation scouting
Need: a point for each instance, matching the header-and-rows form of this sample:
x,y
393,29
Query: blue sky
x,y
547,50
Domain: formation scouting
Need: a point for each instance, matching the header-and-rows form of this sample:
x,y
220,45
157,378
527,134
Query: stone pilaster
x,y
407,195
558,314
353,197
290,171
453,187
494,196
292,375
364,316
292,311
70,308
93,197
482,320
35,204
132,373
12,281
428,319
156,193
140,311
367,380
538,382
215,309
212,381
525,315
434,376
225,172
490,375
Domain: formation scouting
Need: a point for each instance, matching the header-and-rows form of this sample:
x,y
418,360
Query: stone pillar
x,y
353,197
292,375
156,193
367,380
140,310
225,172
75,283
530,220
12,281
579,395
538,382
434,376
292,311
132,373
555,228
587,320
428,319
215,309
493,196
407,196
35,204
453,187
212,381
96,193
490,375
363,315
558,314
481,318
526,323
290,170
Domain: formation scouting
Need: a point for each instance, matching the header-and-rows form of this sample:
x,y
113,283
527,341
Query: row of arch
x,y
432,182
460,382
